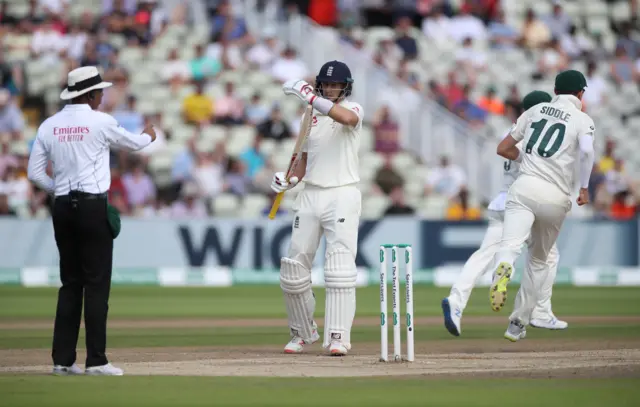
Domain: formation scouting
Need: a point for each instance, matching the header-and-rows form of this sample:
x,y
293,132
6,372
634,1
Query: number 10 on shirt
x,y
305,129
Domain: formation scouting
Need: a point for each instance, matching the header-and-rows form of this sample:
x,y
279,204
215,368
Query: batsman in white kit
x,y
481,261
554,136
329,205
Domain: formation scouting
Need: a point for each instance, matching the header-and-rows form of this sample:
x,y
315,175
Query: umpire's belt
x,y
81,196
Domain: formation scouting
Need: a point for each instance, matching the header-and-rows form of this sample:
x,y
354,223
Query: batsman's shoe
x,y
104,370
452,316
337,348
553,324
296,344
72,370
498,291
515,331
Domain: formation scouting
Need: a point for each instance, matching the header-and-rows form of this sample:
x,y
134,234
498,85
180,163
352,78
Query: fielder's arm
x,y
507,149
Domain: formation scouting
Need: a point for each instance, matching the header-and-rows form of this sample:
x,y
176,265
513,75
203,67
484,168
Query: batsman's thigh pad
x,y
295,281
340,275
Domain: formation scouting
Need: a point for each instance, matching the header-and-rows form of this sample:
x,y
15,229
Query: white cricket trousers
x,y
535,211
481,261
334,212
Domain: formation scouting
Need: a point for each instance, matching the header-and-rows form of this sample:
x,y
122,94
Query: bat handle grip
x,y
276,205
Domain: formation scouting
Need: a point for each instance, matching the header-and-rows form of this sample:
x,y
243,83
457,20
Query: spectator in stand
x,y
470,60
175,71
190,206
535,33
501,35
76,40
466,25
255,111
275,128
597,94
460,208
552,61
491,103
252,159
386,132
129,117
447,179
398,205
11,118
387,178
229,108
139,187
623,70
288,66
10,76
264,53
616,179
323,12
436,26
436,93
237,181
7,20
574,44
607,161
184,162
233,28
208,173
597,185
404,40
623,206
627,41
117,17
468,110
453,91
197,108
513,104
558,21
47,43
204,66
6,158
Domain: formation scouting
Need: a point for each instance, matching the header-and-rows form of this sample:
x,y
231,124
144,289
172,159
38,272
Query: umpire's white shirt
x,y
77,141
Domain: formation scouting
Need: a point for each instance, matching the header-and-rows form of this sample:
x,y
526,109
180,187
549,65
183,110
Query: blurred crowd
x,y
202,170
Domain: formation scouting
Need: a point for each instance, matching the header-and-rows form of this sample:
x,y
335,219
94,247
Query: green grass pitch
x,y
26,316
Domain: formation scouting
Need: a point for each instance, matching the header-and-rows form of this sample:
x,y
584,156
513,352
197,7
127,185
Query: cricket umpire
x,y
77,141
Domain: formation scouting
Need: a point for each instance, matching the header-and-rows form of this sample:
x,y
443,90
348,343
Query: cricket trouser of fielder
x,y
535,210
334,212
481,261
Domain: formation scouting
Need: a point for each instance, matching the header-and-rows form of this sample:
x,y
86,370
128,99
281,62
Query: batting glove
x,y
280,184
299,88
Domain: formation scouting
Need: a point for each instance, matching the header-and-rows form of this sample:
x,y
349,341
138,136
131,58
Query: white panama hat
x,y
82,80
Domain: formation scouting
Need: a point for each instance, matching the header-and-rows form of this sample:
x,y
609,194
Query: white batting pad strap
x,y
295,281
340,277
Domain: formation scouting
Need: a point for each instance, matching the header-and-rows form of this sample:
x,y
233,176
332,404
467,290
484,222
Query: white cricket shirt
x,y
510,171
77,141
332,150
550,134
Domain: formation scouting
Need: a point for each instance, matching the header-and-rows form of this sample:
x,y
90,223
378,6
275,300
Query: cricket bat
x,y
305,129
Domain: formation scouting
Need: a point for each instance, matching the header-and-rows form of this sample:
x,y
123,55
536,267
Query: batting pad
x,y
340,276
295,281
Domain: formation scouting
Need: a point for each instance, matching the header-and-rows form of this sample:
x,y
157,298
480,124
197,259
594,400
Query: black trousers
x,y
85,245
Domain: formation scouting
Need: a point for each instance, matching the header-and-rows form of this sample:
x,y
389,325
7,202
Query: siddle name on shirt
x,y
556,113
70,134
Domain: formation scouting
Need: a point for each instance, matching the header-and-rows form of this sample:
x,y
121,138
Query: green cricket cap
x,y
570,81
534,98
